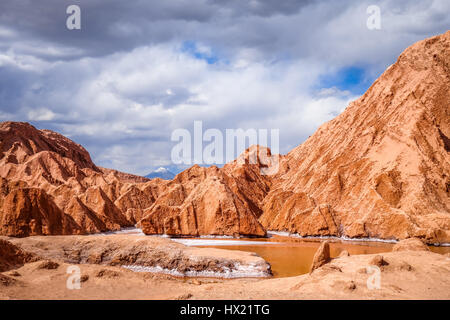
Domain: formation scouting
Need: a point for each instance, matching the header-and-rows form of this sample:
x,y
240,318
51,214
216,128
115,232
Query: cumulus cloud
x,y
136,72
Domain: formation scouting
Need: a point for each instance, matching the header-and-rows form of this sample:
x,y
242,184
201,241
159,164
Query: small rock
x,y
48,264
344,285
6,281
94,259
184,296
321,257
15,274
378,261
332,267
84,278
411,244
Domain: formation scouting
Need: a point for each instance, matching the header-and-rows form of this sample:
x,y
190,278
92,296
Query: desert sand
x,y
409,272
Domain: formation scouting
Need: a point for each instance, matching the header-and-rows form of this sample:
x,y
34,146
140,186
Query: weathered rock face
x,y
380,169
12,256
411,244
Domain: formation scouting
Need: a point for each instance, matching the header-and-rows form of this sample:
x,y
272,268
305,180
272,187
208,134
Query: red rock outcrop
x,y
51,186
30,211
380,169
211,201
321,257
411,244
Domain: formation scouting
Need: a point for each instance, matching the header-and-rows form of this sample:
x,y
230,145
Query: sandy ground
x,y
408,275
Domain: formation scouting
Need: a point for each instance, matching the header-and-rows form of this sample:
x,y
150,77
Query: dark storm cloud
x,y
13,86
264,8
275,29
107,26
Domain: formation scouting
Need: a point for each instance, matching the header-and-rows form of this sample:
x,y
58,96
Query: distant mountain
x,y
162,173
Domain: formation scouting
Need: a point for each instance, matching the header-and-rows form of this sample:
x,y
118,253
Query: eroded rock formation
x,y
380,169
411,244
212,201
49,185
321,257
12,257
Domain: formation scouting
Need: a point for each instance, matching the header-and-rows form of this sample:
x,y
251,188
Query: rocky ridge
x,y
381,169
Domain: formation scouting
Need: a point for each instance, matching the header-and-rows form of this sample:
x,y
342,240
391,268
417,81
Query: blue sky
x,y
195,50
138,70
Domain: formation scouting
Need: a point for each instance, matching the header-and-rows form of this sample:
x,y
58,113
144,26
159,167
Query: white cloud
x,y
22,62
121,87
41,114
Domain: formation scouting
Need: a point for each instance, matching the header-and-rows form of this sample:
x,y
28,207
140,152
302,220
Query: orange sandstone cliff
x,y
381,168
50,186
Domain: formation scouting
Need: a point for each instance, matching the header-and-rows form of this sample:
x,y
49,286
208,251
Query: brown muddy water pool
x,y
292,257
